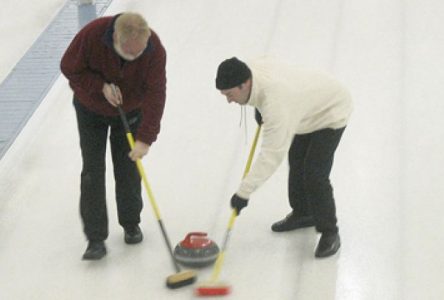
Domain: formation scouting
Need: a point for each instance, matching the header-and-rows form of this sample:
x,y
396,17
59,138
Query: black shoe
x,y
133,234
328,245
291,222
96,250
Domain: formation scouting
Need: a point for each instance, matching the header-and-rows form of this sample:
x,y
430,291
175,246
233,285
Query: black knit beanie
x,y
231,73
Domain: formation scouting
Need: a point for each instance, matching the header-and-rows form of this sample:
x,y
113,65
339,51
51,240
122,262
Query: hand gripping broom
x,y
213,287
180,278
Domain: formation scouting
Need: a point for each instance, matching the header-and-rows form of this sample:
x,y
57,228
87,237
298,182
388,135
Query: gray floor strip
x,y
30,80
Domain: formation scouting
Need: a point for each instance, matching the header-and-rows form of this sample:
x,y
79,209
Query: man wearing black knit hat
x,y
304,114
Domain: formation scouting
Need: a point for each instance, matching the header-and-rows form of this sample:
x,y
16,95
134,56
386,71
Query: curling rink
x,y
387,177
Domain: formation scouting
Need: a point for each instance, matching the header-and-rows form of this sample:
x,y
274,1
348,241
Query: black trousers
x,y
93,131
309,189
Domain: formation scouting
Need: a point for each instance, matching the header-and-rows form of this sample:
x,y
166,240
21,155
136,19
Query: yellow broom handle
x,y
130,139
221,256
252,150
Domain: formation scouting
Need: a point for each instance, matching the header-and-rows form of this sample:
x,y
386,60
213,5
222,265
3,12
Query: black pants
x,y
93,131
309,189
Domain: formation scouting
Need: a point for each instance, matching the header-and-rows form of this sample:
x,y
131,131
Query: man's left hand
x,y
140,150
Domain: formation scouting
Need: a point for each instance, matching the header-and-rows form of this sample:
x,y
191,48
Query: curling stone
x,y
196,250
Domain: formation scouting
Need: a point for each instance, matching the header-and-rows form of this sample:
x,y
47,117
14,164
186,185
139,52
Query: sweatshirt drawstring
x,y
244,117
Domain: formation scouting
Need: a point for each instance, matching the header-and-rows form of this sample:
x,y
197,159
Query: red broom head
x,y
213,290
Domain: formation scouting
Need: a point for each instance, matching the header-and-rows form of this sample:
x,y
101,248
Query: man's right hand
x,y
113,96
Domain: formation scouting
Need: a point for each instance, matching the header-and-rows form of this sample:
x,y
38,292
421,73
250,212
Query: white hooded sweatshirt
x,y
291,101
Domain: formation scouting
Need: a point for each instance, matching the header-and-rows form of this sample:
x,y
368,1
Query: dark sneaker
x,y
292,222
95,250
328,245
133,234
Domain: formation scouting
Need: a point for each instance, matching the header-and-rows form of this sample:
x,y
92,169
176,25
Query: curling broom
x,y
180,278
214,287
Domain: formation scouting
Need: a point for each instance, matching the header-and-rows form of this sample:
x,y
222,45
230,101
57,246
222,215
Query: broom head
x,y
181,279
213,289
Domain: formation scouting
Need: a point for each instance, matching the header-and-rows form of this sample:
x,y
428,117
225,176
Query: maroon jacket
x,y
91,60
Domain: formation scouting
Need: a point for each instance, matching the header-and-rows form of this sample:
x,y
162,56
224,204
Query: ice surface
x,y
387,173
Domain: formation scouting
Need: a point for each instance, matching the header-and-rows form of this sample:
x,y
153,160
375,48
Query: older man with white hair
x,y
114,61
